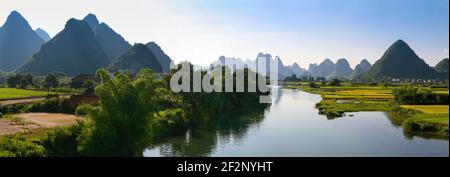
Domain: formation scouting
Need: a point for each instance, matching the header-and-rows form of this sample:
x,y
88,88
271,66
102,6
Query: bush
x,y
122,124
84,109
11,109
335,82
313,85
17,146
52,105
63,141
415,96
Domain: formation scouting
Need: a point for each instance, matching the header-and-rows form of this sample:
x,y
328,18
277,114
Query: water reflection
x,y
201,142
293,127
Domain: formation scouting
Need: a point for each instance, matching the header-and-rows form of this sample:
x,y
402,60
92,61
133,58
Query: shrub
x,y
52,105
122,125
84,109
63,141
11,109
335,82
415,96
17,146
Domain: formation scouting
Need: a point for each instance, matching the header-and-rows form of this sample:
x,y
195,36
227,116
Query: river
x,y
292,127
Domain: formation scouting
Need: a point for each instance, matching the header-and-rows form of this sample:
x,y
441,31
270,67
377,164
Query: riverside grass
x,y
427,120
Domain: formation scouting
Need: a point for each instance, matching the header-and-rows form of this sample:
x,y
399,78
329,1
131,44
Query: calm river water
x,y
292,127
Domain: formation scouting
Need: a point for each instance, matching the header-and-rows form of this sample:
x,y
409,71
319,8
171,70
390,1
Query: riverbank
x,y
422,120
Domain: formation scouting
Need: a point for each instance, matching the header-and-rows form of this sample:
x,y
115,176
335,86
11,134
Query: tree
x,y
50,82
29,79
335,82
129,115
88,84
23,83
14,80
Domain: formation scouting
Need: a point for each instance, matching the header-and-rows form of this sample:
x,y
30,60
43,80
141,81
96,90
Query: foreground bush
x,y
50,105
63,141
18,146
124,123
415,96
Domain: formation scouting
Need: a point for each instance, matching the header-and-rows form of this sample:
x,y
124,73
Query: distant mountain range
x,y
18,41
283,71
341,70
329,70
84,46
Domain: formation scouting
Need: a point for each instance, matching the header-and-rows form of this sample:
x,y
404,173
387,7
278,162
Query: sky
x,y
302,31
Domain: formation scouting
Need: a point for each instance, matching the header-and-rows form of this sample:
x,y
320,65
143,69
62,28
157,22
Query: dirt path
x,y
36,120
26,100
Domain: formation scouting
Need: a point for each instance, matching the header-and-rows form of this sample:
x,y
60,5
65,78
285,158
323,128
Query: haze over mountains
x,y
84,46
18,41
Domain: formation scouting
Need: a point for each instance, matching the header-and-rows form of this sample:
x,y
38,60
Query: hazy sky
x,y
302,31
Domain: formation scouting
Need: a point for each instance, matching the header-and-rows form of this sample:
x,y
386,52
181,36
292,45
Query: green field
x,y
12,93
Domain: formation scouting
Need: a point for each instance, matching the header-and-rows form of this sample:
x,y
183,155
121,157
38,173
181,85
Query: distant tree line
x,y
28,80
303,78
415,96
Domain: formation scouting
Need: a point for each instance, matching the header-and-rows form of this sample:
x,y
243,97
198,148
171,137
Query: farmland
x,y
13,93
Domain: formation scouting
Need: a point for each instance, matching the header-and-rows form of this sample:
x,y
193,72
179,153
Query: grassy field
x,y
428,109
428,120
12,93
332,109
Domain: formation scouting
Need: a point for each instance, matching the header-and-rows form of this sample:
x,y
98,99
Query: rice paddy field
x,y
428,109
12,93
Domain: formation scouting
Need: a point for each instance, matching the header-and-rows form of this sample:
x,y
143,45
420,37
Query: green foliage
x,y
124,123
51,81
332,109
335,82
11,109
313,85
18,146
416,96
203,106
84,109
88,84
18,80
63,141
51,105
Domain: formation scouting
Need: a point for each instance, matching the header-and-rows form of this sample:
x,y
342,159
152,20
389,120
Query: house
x,y
78,81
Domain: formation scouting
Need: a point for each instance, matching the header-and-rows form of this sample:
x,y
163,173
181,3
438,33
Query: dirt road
x,y
36,120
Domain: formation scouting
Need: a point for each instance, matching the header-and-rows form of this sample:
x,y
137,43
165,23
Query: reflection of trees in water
x,y
397,120
203,141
